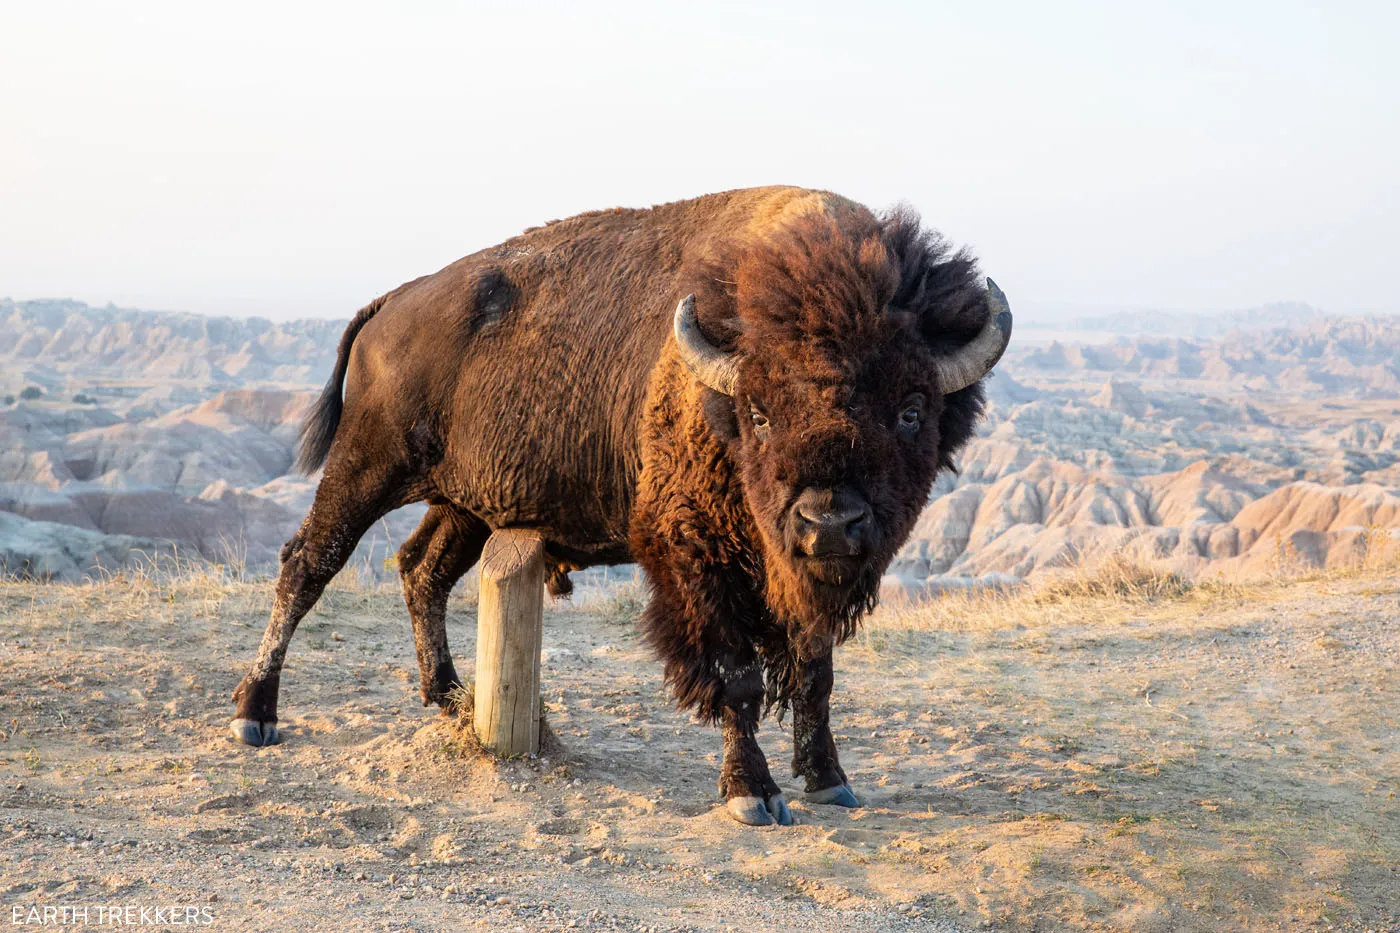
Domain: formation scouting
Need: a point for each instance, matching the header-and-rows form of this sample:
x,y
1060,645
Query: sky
x,y
298,159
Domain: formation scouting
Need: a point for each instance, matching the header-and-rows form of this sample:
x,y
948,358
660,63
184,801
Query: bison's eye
x,y
761,428
911,417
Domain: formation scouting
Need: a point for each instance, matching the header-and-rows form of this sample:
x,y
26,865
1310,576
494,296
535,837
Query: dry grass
x,y
1116,578
621,602
1100,588
1117,586
1378,549
1098,592
461,740
175,587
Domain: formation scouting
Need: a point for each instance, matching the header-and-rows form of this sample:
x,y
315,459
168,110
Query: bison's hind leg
x,y
444,546
351,497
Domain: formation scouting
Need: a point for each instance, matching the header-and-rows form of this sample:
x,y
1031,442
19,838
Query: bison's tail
x,y
318,430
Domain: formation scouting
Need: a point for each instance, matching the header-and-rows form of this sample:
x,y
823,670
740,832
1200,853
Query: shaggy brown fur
x,y
536,384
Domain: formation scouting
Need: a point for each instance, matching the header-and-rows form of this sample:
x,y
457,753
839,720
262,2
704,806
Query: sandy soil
x,y
1219,761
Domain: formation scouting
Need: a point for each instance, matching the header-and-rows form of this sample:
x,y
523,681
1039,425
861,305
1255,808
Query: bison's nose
x,y
830,524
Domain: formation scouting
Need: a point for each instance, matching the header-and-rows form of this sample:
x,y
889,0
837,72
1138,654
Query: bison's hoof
x,y
749,810
840,796
753,811
256,734
778,807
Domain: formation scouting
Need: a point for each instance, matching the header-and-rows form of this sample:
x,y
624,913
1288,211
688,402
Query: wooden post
x,y
510,618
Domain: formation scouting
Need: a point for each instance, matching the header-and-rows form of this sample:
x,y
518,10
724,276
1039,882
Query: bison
x,y
748,393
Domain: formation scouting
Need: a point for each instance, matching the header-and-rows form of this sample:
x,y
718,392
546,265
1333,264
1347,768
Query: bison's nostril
x,y
830,528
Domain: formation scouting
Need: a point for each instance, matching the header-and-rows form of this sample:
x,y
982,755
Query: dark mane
x,y
831,287
821,287
944,288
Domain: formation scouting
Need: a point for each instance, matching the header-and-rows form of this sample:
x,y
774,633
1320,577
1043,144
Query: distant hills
x,y
1285,314
59,344
1352,357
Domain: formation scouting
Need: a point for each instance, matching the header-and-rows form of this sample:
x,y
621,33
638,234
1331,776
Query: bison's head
x,y
851,362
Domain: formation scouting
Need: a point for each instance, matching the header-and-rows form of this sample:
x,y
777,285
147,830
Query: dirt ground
x,y
1221,760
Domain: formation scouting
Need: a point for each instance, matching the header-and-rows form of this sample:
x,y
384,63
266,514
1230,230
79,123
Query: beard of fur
x,y
817,616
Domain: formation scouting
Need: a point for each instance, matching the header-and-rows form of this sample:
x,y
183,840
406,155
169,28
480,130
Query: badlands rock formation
x,y
1258,452
1251,453
182,445
1334,357
48,342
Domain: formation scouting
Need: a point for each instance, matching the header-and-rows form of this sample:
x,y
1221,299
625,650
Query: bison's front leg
x,y
813,748
750,793
705,620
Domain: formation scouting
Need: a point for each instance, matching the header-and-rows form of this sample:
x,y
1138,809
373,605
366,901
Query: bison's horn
x,y
978,357
708,363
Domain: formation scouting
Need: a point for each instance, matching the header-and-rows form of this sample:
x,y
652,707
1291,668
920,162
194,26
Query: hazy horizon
x,y
1030,314
297,162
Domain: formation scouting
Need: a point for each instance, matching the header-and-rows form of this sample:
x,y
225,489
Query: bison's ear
x,y
719,414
